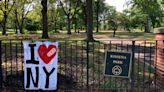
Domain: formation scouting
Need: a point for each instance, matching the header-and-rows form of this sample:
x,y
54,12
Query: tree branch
x,y
28,9
63,8
10,7
77,3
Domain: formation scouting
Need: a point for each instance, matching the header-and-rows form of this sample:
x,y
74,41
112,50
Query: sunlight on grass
x,y
103,34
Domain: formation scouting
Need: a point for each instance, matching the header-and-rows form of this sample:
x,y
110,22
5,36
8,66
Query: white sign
x,y
40,65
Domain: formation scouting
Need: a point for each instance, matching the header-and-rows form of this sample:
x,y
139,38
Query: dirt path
x,y
128,41
104,37
124,41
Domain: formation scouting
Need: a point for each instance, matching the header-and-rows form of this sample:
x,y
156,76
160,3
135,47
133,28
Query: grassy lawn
x,y
126,35
138,35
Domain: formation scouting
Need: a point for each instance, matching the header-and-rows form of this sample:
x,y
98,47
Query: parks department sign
x,y
118,64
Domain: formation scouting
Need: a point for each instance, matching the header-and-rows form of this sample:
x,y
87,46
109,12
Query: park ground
x,y
102,35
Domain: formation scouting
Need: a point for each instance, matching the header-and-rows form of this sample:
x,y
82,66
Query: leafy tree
x,y
21,9
53,15
5,8
137,18
113,20
150,8
107,14
78,21
114,26
99,7
132,19
31,25
84,13
62,19
70,8
125,21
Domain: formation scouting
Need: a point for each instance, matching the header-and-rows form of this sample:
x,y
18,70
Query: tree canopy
x,y
67,15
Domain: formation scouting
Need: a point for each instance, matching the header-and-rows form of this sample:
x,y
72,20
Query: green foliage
x,y
32,25
135,17
108,15
33,20
150,9
1,15
56,17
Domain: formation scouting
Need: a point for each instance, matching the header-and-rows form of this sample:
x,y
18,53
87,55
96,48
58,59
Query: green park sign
x,y
117,64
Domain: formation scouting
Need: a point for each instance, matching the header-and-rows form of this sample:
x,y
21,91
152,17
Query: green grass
x,y
139,35
125,35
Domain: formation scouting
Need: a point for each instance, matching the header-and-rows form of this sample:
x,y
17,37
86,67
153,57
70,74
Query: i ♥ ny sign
x,y
40,65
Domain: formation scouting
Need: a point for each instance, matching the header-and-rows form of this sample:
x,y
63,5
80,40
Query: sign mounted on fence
x,y
40,65
118,64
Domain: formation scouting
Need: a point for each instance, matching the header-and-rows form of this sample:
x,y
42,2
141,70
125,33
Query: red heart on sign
x,y
47,54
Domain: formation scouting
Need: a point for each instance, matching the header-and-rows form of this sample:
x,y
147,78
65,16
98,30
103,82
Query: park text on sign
x,y
40,65
118,64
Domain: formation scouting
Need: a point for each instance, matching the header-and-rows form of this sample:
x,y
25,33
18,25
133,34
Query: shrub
x,y
32,25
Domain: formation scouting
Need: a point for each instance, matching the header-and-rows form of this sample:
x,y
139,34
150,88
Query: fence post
x,y
133,66
159,61
1,77
87,64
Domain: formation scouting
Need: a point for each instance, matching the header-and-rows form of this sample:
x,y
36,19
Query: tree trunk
x,y
15,20
5,20
104,23
44,19
148,24
4,30
21,26
75,25
85,18
4,25
141,28
55,27
97,27
69,25
85,21
21,29
86,25
114,33
89,21
16,28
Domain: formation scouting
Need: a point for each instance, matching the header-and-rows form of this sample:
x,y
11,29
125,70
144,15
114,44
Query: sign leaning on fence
x,y
118,64
40,65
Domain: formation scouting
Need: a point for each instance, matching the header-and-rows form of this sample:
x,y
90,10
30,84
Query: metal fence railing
x,y
81,66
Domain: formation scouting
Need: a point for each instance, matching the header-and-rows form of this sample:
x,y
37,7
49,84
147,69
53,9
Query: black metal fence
x,y
81,66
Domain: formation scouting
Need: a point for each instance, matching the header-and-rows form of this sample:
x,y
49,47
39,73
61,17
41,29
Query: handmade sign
x,y
40,65
118,64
